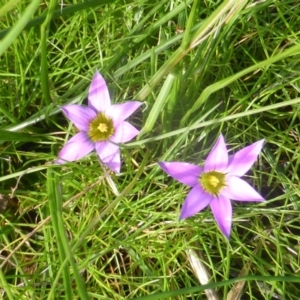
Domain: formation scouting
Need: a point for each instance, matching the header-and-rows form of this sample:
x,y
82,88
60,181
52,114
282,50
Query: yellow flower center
x,y
212,182
101,128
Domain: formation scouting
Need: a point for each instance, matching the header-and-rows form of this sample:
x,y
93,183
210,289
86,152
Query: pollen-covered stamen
x,y
101,128
212,182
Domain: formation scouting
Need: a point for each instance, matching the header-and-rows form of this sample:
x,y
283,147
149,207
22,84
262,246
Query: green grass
x,y
201,67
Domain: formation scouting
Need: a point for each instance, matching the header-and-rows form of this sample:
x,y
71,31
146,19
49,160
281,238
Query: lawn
x,y
204,77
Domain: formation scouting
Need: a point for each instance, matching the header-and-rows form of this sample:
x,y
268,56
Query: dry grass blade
x,y
201,272
224,16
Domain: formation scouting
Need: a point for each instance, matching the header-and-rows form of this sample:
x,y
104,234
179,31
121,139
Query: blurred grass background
x,y
201,67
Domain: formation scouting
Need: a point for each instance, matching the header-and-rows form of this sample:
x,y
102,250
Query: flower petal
x,y
109,155
218,157
120,112
241,162
81,116
238,189
124,132
195,201
98,94
77,147
185,173
222,210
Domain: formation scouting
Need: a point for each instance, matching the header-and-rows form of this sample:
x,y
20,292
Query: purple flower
x,y
217,182
101,126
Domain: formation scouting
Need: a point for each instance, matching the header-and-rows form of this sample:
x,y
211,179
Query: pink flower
x,y
102,126
217,182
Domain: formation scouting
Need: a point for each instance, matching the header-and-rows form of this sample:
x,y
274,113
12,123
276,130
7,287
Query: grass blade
x,y
66,257
15,31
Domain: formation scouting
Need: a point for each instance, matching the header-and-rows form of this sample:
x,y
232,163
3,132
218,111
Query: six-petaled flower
x,y
217,182
102,126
